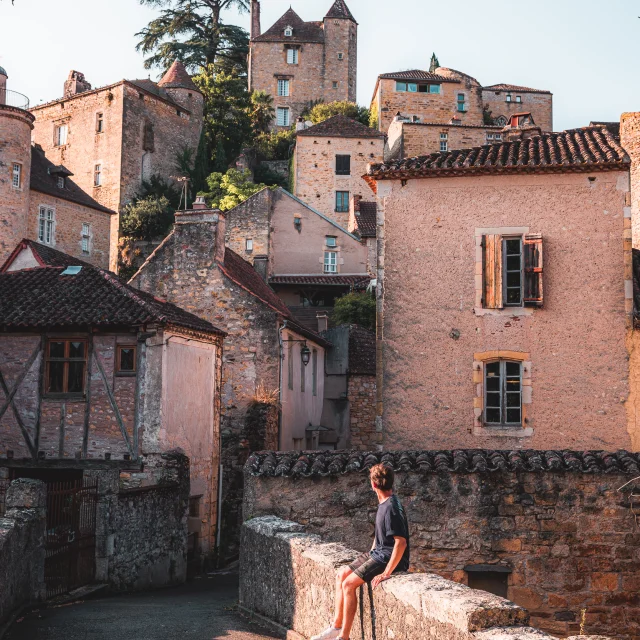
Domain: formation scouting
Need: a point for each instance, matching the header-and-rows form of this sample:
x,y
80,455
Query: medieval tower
x,y
299,63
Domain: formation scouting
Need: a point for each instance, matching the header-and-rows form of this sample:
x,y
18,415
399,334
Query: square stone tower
x,y
300,63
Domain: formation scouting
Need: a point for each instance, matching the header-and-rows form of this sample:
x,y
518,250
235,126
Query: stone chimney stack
x,y
199,237
261,266
323,321
75,84
255,19
630,141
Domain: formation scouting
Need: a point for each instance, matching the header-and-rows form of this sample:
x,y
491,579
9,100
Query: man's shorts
x,y
366,567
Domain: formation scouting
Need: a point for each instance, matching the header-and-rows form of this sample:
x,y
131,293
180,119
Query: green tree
x,y
262,112
325,110
228,190
275,145
374,116
157,187
192,31
356,308
147,219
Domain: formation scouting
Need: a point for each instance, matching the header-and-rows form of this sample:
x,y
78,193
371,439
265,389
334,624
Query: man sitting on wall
x,y
389,554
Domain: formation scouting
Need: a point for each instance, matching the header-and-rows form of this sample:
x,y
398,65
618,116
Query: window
x,y
46,221
444,142
503,393
434,88
314,372
332,241
511,271
65,366
414,87
86,238
401,86
330,262
508,97
461,107
283,87
99,123
16,175
335,84
518,98
489,138
126,359
342,201
343,165
60,182
97,175
292,56
341,56
288,32
498,136
248,245
282,116
61,133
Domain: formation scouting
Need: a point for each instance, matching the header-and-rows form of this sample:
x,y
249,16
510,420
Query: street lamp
x,y
305,354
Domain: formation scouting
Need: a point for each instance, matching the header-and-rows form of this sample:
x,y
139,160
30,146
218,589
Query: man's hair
x,y
382,476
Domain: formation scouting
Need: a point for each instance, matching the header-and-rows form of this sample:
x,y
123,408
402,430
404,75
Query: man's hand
x,y
378,579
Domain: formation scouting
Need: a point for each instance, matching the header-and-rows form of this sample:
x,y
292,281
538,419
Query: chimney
x,y
75,84
200,203
200,236
300,124
323,321
255,19
261,266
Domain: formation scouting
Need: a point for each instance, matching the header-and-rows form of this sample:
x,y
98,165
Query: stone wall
x,y
362,398
539,104
22,546
556,523
250,220
288,577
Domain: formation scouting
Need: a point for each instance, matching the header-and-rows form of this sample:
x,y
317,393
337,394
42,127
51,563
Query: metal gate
x,y
70,539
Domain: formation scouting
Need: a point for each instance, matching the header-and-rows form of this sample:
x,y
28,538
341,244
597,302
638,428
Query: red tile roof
x,y
336,281
178,77
588,149
366,220
513,87
302,31
46,256
340,10
340,126
417,74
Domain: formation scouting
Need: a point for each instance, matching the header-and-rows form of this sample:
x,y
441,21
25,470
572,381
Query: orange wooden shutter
x,y
533,270
492,271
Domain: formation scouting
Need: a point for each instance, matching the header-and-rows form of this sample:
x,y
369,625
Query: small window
x,y
341,56
434,88
99,123
126,363
46,222
283,117
332,241
61,134
412,87
314,372
16,175
292,56
343,165
461,106
97,175
489,138
60,181
401,86
503,393
498,136
283,87
248,245
86,238
342,201
335,84
508,97
330,262
518,98
65,365
288,32
444,142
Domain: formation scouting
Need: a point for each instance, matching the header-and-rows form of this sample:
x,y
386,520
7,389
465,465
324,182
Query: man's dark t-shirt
x,y
391,521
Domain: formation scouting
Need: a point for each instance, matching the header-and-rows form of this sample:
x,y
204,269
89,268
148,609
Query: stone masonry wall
x,y
361,392
288,577
540,105
22,546
250,220
569,539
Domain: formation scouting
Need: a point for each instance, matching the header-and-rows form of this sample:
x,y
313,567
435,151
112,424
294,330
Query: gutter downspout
x,y
281,343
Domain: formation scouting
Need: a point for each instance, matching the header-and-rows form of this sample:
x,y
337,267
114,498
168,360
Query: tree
x,y
325,110
228,190
275,145
356,308
147,219
157,187
192,31
262,112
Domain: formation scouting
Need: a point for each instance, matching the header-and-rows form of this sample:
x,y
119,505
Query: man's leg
x,y
341,576
350,603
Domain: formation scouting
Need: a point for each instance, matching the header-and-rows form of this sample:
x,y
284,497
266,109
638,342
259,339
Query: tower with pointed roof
x,y
300,63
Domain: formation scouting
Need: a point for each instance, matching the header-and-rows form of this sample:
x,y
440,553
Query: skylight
x,y
71,271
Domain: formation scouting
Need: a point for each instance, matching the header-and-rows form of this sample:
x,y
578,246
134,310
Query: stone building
x,y
511,359
330,159
300,63
38,199
114,137
452,108
93,370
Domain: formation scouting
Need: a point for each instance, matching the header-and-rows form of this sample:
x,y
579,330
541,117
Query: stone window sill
x,y
507,312
499,432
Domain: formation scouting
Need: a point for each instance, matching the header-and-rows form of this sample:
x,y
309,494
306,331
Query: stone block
x,y
26,493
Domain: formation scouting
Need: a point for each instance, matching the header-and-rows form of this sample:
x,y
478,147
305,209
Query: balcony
x,y
13,99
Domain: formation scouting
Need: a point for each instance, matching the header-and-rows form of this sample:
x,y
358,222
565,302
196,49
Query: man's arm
x,y
399,546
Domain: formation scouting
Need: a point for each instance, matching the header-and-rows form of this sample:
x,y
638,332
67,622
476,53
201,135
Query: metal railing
x,y
13,99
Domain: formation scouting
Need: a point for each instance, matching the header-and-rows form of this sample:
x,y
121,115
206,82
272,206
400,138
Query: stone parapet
x,y
288,577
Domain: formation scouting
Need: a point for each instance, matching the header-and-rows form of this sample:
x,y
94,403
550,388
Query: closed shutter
x,y
492,271
533,270
343,165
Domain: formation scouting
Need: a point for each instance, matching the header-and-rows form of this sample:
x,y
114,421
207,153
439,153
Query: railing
x,y
13,99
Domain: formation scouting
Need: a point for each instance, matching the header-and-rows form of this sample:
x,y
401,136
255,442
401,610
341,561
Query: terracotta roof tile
x,y
331,463
366,220
337,280
513,87
340,10
302,31
45,255
44,180
340,126
416,74
588,149
177,76
362,351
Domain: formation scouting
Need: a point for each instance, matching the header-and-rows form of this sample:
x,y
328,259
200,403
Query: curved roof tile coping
x,y
311,464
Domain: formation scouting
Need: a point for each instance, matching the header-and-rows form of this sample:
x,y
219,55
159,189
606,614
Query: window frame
x,y
66,360
286,113
293,55
331,242
126,373
506,271
248,245
461,102
340,55
100,122
85,237
343,164
503,394
342,202
16,172
47,224
97,174
288,31
330,262
57,139
284,88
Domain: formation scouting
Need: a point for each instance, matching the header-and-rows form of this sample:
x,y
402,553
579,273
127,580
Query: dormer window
x,y
60,182
288,32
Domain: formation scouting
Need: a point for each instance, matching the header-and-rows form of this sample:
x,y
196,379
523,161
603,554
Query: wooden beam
x,y
43,343
23,428
21,377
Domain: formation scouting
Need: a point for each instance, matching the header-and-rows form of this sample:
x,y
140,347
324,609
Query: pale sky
x,y
585,51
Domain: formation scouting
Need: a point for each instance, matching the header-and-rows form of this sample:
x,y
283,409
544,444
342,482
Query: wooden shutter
x,y
533,270
492,271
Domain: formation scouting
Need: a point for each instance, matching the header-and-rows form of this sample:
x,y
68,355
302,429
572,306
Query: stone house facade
x,y
114,137
92,370
300,63
329,161
513,359
39,200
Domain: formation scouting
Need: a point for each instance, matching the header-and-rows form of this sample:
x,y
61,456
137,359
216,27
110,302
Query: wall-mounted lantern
x,y
305,354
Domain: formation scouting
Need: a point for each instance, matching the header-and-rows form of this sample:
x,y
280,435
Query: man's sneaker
x,y
330,633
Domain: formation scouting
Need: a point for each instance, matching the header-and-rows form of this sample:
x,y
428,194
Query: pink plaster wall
x,y
577,341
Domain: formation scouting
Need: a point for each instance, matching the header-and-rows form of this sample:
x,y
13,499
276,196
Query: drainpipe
x,y
284,326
